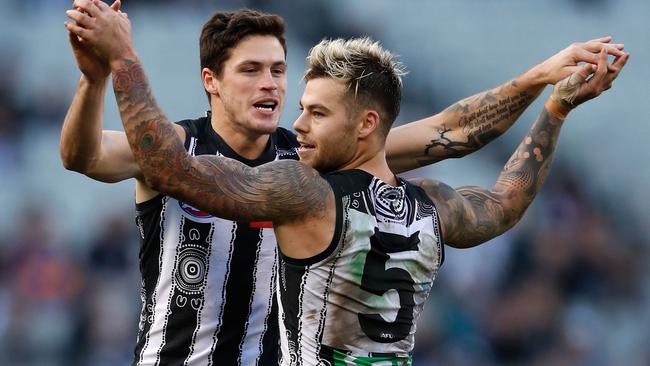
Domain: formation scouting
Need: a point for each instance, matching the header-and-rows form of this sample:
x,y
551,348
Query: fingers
x,y
601,71
80,18
605,39
616,67
116,5
77,30
101,5
74,39
583,72
612,49
87,6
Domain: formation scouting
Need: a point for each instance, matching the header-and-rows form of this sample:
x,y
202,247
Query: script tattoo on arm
x,y
473,215
279,191
477,120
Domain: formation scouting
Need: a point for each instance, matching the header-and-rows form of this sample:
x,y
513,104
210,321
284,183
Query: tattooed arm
x,y
473,122
279,191
473,215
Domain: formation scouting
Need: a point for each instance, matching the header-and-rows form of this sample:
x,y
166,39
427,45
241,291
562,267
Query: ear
x,y
210,81
369,123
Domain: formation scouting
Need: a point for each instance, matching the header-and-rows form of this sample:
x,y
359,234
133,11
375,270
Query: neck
x,y
248,144
375,164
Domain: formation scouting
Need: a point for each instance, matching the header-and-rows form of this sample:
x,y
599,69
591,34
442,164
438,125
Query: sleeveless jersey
x,y
357,303
208,284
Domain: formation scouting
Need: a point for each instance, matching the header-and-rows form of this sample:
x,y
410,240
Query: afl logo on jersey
x,y
193,211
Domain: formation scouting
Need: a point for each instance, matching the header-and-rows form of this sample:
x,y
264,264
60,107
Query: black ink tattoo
x,y
473,215
478,120
278,191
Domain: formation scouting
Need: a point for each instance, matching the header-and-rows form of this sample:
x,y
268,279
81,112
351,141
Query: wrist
x,y
536,76
93,84
556,109
116,63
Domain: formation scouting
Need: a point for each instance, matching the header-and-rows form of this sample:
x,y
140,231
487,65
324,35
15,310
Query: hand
x,y
565,62
576,89
107,31
93,67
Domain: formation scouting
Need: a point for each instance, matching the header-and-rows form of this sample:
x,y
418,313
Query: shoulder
x,y
192,127
436,190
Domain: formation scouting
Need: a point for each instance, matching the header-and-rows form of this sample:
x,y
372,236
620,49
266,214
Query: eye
x,y
317,114
277,72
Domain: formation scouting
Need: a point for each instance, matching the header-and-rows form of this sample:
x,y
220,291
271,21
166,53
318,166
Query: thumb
x,y
116,5
583,73
567,90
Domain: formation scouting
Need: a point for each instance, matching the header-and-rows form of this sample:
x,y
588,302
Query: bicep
x,y
115,162
468,215
424,142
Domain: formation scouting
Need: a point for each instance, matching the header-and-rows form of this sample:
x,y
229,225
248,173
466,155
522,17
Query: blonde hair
x,y
372,74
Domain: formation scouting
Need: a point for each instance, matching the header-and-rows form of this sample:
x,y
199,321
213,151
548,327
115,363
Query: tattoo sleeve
x,y
473,122
277,191
473,215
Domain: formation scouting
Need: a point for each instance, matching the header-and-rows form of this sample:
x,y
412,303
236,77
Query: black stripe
x,y
290,287
239,289
270,340
149,220
191,265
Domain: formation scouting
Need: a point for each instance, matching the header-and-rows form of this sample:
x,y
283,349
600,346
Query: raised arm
x,y
473,122
473,215
84,147
280,191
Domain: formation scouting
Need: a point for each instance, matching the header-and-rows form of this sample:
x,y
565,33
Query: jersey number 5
x,y
378,280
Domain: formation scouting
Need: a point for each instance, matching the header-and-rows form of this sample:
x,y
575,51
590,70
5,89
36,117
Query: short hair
x,y
225,30
372,74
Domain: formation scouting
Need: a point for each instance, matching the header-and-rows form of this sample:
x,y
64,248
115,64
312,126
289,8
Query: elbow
x,y
154,182
72,164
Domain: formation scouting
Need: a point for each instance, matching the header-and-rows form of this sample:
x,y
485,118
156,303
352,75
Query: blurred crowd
x,y
567,286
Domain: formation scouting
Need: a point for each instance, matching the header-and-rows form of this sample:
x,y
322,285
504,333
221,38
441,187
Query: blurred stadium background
x,y
568,286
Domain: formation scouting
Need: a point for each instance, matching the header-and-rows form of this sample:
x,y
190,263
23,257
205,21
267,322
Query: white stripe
x,y
148,353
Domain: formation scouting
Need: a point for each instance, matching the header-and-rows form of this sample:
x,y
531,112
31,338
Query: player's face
x,y
253,84
325,131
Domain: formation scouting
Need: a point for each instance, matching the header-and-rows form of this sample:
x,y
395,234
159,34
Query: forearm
x,y
81,133
481,118
224,187
156,147
526,170
464,127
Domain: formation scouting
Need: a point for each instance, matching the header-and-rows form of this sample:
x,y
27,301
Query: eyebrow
x,y
258,63
314,106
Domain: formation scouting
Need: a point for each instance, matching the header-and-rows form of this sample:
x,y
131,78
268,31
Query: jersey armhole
x,y
334,243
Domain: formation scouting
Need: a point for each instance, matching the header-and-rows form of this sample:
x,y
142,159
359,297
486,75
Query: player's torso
x,y
208,283
359,301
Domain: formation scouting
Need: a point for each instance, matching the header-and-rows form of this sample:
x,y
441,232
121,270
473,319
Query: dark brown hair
x,y
225,30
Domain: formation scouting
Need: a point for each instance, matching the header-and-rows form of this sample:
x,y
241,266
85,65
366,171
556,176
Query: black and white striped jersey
x,y
208,284
358,302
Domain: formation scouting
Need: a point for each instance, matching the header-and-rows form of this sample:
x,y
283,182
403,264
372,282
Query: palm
x,y
90,64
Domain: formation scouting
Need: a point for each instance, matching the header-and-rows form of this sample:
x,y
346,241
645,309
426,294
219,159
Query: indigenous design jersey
x,y
207,283
358,302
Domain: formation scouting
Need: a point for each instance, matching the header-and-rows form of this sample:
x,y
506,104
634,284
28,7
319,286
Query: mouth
x,y
303,146
268,105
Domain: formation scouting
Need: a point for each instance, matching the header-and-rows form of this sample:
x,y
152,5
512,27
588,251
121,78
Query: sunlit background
x,y
568,286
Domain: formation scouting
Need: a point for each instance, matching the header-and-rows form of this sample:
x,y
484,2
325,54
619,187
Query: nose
x,y
301,125
268,81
